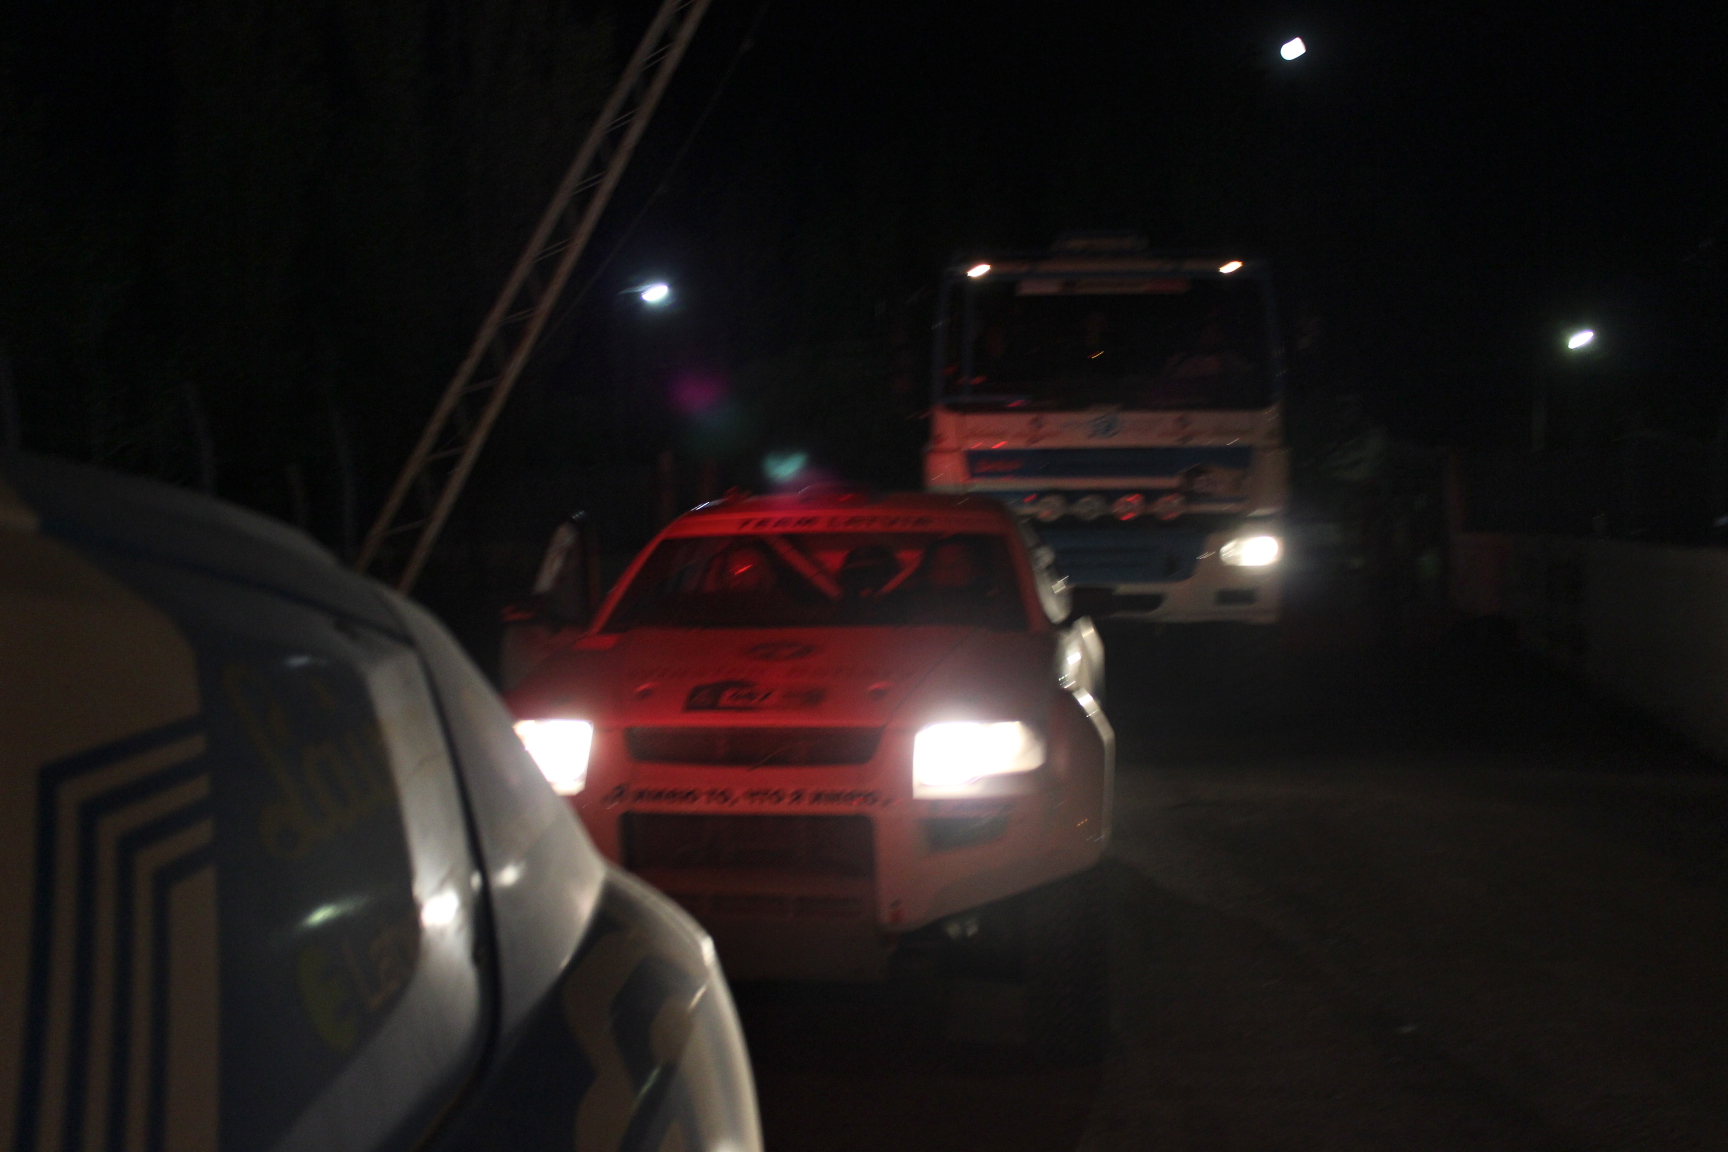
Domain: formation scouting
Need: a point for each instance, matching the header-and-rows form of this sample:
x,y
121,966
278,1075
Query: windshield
x,y
1140,343
824,580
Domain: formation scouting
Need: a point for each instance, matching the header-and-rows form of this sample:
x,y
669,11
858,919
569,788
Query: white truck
x,y
1128,404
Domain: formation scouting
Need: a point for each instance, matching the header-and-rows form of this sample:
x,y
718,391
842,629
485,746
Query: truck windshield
x,y
824,580
1151,343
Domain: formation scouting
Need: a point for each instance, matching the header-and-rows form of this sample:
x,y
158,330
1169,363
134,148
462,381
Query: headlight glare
x,y
1251,551
956,754
560,748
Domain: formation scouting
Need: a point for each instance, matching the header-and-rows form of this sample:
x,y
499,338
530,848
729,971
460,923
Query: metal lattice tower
x,y
436,471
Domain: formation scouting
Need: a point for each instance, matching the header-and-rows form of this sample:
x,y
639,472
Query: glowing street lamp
x,y
1293,48
1579,342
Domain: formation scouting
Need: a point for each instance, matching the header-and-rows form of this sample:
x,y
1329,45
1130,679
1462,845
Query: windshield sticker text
x,y
843,522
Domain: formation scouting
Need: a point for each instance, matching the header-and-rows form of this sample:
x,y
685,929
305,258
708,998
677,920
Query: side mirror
x,y
566,591
566,595
1089,600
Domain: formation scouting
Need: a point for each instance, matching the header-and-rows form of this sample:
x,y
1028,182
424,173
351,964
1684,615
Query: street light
x,y
1293,48
1579,341
977,270
655,293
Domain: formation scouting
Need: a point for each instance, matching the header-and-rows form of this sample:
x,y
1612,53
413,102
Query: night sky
x,y
247,244
1443,191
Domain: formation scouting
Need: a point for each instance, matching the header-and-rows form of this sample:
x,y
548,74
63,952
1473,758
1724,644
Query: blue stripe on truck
x,y
990,463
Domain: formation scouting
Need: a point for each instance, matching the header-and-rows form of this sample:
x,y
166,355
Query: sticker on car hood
x,y
749,696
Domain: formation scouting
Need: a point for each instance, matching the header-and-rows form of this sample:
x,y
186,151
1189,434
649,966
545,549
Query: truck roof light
x,y
977,270
1090,506
1230,267
1050,507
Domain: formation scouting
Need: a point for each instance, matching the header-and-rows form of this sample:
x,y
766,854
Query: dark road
x,y
1434,900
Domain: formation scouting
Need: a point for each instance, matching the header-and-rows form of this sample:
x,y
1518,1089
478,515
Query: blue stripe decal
x,y
54,777
989,463
161,890
90,812
130,845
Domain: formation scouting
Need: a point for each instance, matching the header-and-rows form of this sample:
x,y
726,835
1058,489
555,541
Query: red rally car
x,y
832,722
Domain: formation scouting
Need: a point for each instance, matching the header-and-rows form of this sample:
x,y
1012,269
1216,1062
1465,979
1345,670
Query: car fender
x,y
636,1048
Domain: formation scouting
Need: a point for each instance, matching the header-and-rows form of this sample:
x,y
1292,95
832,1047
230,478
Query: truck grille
x,y
807,845
1129,554
753,747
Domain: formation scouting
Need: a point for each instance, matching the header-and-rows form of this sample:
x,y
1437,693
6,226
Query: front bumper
x,y
809,870
1182,581
1215,592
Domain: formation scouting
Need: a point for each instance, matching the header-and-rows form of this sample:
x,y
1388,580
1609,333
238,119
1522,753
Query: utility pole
x,y
438,468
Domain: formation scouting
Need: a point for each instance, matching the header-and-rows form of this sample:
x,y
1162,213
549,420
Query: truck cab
x,y
1128,406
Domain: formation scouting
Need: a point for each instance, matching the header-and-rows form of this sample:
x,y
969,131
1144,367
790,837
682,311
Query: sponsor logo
x,y
749,696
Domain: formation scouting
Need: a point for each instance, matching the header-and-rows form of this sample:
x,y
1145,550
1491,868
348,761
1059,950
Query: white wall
x,y
1658,633
1645,623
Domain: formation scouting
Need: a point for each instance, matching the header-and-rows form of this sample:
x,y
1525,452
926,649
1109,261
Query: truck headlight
x,y
956,754
1250,551
560,748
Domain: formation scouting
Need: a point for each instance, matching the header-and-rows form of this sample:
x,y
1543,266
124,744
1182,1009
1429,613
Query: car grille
x,y
753,747
808,845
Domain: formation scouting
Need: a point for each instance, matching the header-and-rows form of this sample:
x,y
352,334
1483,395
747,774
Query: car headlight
x,y
956,754
1250,551
560,748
